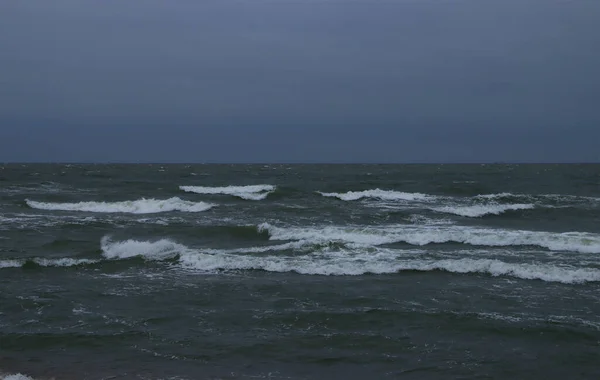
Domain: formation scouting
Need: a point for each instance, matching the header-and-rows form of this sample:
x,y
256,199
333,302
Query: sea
x,y
203,271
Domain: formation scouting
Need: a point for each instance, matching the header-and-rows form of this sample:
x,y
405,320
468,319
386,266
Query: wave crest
x,y
537,197
340,262
310,259
423,235
140,206
251,192
476,211
158,250
387,195
61,262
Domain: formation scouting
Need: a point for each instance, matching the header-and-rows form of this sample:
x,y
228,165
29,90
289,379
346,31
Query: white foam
x,y
17,376
158,221
365,264
158,250
167,249
61,262
552,197
495,196
10,264
387,195
383,262
476,211
251,192
545,272
140,206
307,264
423,234
421,219
325,260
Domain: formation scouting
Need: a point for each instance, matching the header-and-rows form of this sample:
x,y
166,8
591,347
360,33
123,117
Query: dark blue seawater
x,y
300,271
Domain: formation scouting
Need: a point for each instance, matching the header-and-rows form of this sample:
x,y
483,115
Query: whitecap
x,y
388,195
157,250
16,376
342,262
62,262
582,242
476,211
539,197
140,206
251,192
360,264
10,264
45,262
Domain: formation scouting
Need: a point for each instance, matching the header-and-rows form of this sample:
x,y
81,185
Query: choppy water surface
x,y
300,271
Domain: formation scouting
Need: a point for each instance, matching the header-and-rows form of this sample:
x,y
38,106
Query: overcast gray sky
x,y
300,80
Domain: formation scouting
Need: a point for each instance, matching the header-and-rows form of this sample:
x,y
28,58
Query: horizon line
x,y
298,163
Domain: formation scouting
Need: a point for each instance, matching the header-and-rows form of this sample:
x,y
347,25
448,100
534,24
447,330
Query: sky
x,y
380,81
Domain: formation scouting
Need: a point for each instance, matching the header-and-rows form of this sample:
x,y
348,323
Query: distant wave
x,y
251,192
424,234
476,211
387,195
43,187
140,206
337,263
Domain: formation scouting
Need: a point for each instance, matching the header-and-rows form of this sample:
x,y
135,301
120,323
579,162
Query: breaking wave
x,y
158,250
423,234
251,192
387,195
311,252
140,206
337,262
476,211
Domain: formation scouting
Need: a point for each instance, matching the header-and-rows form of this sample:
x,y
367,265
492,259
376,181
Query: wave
x,y
140,206
251,192
309,259
164,249
537,197
423,235
387,195
43,262
158,250
476,211
340,262
45,187
346,265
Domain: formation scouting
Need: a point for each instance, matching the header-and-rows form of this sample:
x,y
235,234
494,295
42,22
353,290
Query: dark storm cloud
x,y
299,80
